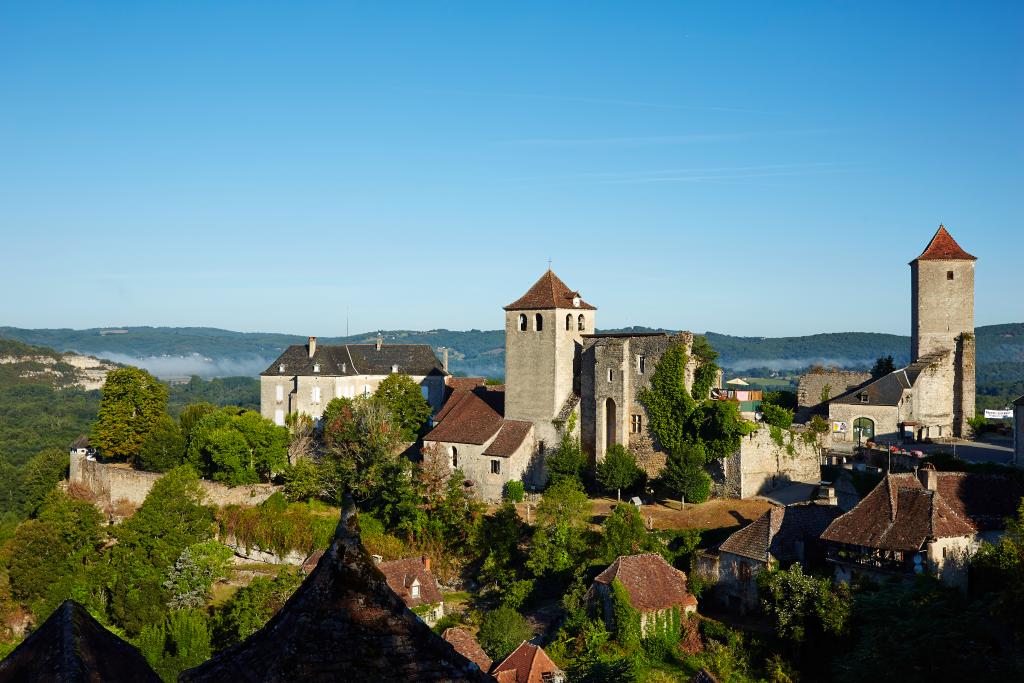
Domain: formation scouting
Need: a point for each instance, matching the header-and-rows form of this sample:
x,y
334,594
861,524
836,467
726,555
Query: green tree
x,y
803,606
496,541
626,617
237,448
623,533
667,401
404,401
132,401
562,517
190,417
569,460
179,642
998,571
618,470
252,607
163,448
194,572
882,367
39,475
305,480
776,416
501,631
684,474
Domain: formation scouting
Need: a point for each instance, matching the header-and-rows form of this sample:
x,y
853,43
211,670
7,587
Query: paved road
x,y
972,451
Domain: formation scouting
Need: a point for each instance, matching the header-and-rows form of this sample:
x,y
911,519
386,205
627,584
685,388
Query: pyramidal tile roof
x,y
944,248
548,292
527,664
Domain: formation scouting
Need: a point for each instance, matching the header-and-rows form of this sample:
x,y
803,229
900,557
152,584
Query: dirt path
x,y
714,514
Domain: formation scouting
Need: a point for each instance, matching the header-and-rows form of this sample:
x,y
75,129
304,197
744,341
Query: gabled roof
x,y
70,647
652,583
900,514
343,623
469,417
776,531
548,292
402,574
527,664
888,389
356,359
467,646
944,248
510,437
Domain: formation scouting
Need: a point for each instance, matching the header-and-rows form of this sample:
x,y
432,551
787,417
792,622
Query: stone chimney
x,y
311,346
426,562
444,359
929,477
377,559
380,341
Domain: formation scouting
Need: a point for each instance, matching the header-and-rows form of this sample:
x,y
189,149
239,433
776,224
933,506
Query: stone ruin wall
x,y
761,465
814,384
112,483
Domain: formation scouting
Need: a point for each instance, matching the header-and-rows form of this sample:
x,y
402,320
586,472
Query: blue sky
x,y
747,168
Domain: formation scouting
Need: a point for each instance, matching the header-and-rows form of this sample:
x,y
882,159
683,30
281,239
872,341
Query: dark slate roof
x,y
357,359
72,647
548,292
510,437
888,389
778,529
343,623
1019,401
400,575
944,248
900,514
652,583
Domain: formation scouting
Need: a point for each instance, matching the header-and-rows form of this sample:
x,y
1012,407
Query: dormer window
x,y
414,590
316,367
280,368
394,368
863,398
576,302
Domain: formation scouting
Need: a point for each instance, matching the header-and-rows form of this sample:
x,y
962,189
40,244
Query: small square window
x,y
495,467
863,398
949,274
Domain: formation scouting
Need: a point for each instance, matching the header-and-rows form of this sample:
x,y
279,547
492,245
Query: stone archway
x,y
863,429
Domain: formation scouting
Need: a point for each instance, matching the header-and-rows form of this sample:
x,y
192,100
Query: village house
x,y
934,396
467,646
528,664
782,536
305,377
411,580
928,523
656,589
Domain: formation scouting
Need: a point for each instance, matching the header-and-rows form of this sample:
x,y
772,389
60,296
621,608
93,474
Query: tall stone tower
x,y
942,318
544,330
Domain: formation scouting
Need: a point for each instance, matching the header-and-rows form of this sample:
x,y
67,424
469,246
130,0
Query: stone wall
x,y
114,482
820,385
523,465
761,465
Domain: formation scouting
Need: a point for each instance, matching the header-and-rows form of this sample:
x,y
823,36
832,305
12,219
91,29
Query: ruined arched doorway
x,y
609,423
863,429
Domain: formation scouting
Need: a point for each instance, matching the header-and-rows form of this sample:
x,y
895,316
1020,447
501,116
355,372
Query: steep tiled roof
x,y
778,529
401,574
356,359
343,623
900,514
70,647
548,292
527,664
469,417
652,583
944,248
467,646
510,437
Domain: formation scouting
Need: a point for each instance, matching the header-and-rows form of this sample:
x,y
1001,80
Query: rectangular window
x,y
495,467
316,394
611,375
635,424
279,393
641,364
863,398
949,274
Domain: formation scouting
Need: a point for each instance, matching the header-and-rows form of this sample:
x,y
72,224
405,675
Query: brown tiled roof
x,y
469,417
510,437
343,623
467,646
548,292
72,646
652,583
467,383
527,664
900,514
777,531
400,575
986,500
944,248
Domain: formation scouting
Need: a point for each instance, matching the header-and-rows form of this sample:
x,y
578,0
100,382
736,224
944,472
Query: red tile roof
x,y
400,575
548,292
510,437
777,530
467,646
652,583
468,418
527,664
944,248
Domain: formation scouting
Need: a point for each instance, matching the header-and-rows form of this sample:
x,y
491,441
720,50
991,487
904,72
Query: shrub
x,y
502,631
514,491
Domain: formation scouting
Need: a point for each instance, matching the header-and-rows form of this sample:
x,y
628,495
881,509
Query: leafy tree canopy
x,y
132,401
619,470
404,401
502,631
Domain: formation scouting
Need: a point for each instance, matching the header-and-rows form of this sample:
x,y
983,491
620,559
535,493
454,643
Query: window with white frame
x,y
316,395
415,589
279,393
635,424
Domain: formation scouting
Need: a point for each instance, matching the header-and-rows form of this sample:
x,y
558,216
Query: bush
x,y
502,631
618,471
514,491
278,526
776,416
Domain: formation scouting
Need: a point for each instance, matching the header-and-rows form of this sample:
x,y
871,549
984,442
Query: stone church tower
x,y
942,319
544,331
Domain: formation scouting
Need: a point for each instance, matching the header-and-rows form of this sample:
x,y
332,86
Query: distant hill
x,y
211,352
25,364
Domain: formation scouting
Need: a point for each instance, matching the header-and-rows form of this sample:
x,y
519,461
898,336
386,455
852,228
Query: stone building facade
x,y
934,396
820,385
306,377
762,465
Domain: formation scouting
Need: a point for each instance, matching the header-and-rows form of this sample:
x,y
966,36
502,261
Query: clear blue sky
x,y
750,168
